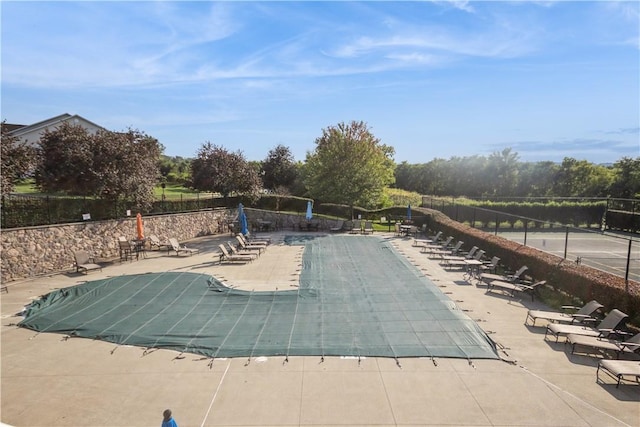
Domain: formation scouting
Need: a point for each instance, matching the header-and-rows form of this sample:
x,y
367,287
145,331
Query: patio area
x,y
48,379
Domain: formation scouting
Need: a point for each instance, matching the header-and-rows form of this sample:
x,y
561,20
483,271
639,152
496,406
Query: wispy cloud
x,y
453,72
179,44
456,4
624,131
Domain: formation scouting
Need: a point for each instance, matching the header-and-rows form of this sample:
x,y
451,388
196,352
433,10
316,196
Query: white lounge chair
x,y
604,328
154,242
356,227
226,256
628,346
84,262
515,277
260,247
581,314
428,241
175,246
512,288
620,369
234,250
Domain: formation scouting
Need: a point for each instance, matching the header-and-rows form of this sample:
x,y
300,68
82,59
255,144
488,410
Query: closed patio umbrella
x,y
242,218
409,212
309,211
139,226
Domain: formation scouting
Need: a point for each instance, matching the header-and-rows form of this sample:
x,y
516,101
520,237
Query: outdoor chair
x,y
619,347
470,254
356,227
456,249
154,242
513,278
175,246
251,239
479,255
445,249
430,240
431,247
584,313
606,327
368,227
234,250
226,256
436,237
620,369
262,243
491,266
126,249
337,228
512,288
242,245
451,261
84,262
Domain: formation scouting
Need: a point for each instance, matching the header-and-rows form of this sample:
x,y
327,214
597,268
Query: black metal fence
x,y
26,211
615,252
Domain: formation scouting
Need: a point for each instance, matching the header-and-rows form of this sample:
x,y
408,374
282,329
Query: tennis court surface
x,y
356,297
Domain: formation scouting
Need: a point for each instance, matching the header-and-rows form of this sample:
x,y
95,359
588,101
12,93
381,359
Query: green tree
x,y
218,170
580,178
65,162
111,165
17,159
279,169
175,169
126,164
626,181
535,179
502,171
349,166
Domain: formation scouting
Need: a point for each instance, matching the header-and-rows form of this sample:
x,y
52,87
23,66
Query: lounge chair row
x,y
453,256
579,326
242,249
583,332
84,262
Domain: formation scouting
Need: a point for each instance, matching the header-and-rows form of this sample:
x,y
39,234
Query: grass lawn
x,y
176,191
171,191
26,187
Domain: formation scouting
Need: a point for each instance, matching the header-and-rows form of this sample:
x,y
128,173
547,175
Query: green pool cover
x,y
357,297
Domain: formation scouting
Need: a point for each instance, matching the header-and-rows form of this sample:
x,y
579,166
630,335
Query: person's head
x,y
167,414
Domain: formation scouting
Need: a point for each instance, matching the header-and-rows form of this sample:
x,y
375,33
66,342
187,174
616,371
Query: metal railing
x,y
614,252
26,211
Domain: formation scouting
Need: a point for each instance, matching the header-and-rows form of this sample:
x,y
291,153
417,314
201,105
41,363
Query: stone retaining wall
x,y
34,251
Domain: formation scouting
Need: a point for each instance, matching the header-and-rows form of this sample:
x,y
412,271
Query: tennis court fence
x,y
614,252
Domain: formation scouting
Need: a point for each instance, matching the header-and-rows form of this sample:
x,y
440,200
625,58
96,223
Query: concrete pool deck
x,y
50,381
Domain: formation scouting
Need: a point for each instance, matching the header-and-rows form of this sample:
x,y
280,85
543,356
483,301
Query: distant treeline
x,y
501,174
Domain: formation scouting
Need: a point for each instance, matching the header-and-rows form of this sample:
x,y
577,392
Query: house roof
x,y
53,121
10,127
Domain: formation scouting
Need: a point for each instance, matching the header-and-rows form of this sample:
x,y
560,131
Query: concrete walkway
x,y
50,381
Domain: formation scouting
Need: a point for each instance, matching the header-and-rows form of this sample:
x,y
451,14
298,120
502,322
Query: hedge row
x,y
486,214
580,281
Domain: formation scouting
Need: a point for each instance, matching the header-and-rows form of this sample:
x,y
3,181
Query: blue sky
x,y
432,79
